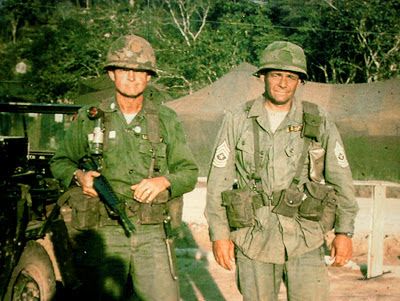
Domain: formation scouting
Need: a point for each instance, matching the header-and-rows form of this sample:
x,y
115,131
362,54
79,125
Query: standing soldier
x,y
139,149
278,182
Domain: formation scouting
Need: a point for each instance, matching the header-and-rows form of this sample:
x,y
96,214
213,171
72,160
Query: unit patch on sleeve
x,y
221,155
340,155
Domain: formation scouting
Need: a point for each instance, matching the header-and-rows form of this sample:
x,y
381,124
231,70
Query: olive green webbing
x,y
308,107
153,133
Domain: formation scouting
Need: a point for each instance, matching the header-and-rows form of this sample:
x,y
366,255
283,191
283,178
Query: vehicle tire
x,y
33,278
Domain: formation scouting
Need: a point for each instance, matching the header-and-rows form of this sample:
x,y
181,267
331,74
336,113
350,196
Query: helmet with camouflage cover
x,y
131,52
282,55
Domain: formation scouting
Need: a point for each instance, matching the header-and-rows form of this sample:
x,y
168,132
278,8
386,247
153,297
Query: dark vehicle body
x,y
35,254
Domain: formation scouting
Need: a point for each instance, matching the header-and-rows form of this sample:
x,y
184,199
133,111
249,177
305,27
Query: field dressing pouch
x,y
313,200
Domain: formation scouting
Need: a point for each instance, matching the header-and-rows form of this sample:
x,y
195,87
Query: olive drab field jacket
x,y
273,235
127,150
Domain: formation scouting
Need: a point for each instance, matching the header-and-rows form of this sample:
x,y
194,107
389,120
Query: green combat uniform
x,y
104,254
272,242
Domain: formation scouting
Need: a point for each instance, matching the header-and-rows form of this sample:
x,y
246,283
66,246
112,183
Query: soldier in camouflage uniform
x,y
146,160
269,186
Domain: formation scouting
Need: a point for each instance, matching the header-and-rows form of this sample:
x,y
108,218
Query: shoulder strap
x,y
256,175
153,133
312,121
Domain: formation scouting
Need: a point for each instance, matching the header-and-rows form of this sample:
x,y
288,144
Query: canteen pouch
x,y
289,202
85,213
320,205
240,206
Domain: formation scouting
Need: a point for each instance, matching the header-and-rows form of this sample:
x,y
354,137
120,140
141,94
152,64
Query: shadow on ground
x,y
196,282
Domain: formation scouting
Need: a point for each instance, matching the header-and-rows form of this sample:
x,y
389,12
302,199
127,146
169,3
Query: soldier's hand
x,y
224,253
342,249
85,180
148,189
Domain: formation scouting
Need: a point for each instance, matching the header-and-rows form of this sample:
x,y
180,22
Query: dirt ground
x,y
202,279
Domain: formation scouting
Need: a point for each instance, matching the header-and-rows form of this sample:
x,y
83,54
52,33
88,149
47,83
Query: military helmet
x,y
282,55
131,52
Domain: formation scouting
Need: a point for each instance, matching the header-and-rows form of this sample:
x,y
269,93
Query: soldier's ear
x,y
111,74
148,77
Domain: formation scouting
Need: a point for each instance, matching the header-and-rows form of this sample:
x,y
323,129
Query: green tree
x,y
361,42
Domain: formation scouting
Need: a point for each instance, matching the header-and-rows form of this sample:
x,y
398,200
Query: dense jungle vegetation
x,y
48,47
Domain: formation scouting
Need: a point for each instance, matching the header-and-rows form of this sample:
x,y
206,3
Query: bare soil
x,y
202,279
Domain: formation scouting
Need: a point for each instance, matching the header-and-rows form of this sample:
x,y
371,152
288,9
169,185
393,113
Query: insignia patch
x,y
221,155
112,134
340,155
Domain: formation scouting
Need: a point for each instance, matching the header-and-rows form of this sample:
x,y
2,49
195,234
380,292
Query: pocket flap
x,y
293,198
318,191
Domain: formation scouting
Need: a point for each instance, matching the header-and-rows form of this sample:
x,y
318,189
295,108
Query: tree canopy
x,y
49,47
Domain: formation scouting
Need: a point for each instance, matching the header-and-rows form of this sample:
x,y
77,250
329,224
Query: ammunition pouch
x,y
320,205
289,202
150,214
157,211
241,205
85,213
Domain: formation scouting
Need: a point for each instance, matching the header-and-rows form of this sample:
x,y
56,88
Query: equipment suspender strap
x,y
311,130
256,175
153,133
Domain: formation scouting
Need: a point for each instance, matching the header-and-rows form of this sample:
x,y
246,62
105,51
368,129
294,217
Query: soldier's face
x,y
280,86
129,83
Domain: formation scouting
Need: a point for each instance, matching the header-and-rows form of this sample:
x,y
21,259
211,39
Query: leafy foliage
x,y
196,42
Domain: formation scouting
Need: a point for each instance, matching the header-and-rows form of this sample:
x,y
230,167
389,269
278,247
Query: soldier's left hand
x,y
148,189
342,249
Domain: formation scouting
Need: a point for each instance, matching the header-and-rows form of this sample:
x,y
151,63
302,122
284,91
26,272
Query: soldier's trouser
x,y
105,258
305,278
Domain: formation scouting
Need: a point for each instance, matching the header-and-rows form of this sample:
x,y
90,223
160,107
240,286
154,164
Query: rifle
x,y
107,194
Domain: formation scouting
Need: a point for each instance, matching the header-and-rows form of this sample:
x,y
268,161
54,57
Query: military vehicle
x,y
35,258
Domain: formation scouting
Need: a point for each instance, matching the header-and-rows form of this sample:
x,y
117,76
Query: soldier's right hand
x,y
224,253
85,180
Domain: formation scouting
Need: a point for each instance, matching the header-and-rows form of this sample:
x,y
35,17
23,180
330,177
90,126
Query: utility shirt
x,y
127,150
274,238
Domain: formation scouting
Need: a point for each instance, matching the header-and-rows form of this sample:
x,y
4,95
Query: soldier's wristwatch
x,y
348,234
